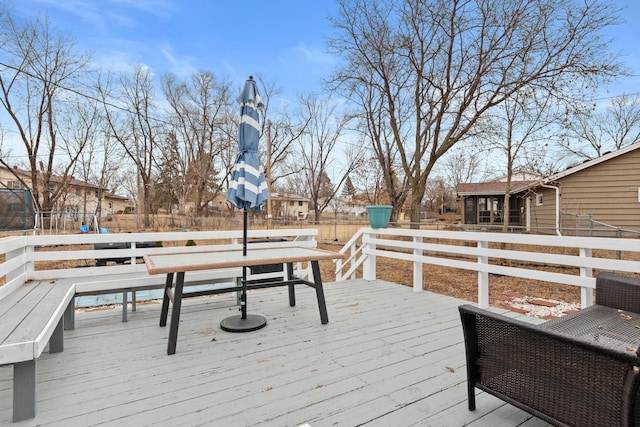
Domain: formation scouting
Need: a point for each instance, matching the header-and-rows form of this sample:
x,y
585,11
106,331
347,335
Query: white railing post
x,y
25,267
483,278
417,266
338,270
369,265
586,294
30,266
354,251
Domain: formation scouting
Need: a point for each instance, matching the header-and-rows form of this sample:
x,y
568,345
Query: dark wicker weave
x,y
578,370
617,291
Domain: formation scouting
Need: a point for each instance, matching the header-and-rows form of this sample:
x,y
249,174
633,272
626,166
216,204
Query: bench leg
x,y
133,300
56,342
70,315
24,390
125,302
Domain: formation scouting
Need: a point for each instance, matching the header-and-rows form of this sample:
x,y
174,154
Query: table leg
x,y
175,314
317,280
165,300
292,288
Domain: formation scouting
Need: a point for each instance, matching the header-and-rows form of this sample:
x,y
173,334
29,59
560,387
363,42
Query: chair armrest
x,y
554,376
618,291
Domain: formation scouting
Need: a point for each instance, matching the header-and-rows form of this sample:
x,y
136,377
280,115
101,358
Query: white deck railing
x,y
518,255
24,258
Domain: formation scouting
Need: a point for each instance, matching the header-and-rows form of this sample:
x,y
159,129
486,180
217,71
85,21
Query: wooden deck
x,y
388,357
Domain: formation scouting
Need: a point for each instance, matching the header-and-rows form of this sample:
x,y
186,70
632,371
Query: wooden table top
x,y
177,262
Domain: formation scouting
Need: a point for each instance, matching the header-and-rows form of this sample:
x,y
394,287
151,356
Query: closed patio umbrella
x,y
247,190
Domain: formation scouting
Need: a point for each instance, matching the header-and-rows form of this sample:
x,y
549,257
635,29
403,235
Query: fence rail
x,y
518,255
24,258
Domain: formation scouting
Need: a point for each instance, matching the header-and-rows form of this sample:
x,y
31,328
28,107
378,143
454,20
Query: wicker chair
x,y
549,372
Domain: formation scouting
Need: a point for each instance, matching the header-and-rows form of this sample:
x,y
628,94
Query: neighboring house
x,y
114,204
483,202
289,206
603,191
284,206
352,206
80,196
356,206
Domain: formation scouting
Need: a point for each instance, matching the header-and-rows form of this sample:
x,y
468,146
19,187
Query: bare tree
x,y
317,151
589,134
199,109
134,123
283,131
368,181
83,133
38,70
522,121
433,68
461,165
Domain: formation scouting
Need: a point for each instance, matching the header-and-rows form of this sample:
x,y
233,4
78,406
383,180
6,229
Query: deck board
x,y
388,356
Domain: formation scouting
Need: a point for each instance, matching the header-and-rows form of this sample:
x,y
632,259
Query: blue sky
x,y
280,40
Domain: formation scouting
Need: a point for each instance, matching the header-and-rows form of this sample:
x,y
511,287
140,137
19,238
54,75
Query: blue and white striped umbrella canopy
x,y
248,186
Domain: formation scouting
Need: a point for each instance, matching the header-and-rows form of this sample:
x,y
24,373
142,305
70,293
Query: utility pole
x,y
269,213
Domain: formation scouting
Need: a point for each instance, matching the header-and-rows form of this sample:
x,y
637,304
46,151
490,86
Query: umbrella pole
x,y
243,322
243,298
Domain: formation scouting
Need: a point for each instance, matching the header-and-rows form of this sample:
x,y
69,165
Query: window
x,y
15,185
484,215
538,199
300,203
291,203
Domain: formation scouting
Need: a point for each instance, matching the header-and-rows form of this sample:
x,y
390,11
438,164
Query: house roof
x,y
55,178
71,181
114,196
278,196
499,187
492,187
589,163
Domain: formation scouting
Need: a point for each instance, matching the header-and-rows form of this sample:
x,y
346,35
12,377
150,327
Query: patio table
x,y
179,264
607,327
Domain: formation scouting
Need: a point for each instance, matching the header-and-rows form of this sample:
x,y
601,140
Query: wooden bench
x,y
32,316
126,283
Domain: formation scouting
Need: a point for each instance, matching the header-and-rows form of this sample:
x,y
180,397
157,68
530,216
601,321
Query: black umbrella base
x,y
253,322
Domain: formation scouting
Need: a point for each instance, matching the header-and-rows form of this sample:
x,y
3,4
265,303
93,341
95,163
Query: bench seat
x,y
140,281
31,317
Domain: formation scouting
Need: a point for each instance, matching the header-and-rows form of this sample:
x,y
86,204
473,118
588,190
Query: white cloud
x,y
313,55
181,66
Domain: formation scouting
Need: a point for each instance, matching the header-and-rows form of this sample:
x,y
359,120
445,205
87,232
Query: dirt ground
x,y
459,283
